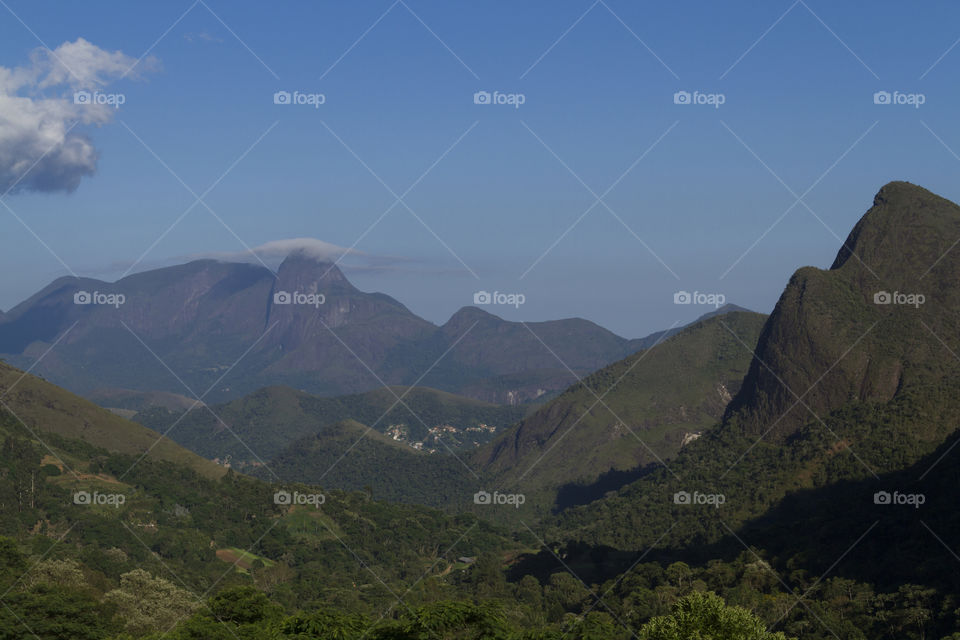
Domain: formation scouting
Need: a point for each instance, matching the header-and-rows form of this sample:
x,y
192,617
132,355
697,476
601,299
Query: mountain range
x,y
218,330
818,495
652,402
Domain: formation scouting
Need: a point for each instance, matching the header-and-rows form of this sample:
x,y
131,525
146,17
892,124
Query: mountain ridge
x,y
626,415
841,388
307,327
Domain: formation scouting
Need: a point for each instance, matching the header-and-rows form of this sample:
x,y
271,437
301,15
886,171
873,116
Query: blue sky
x,y
695,189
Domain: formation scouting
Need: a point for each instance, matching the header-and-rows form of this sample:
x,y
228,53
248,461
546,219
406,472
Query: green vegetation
x,y
49,409
704,615
838,456
135,558
151,565
350,456
650,401
270,419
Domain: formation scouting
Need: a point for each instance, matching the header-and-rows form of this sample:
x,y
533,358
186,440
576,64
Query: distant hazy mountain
x,y
503,361
202,317
308,328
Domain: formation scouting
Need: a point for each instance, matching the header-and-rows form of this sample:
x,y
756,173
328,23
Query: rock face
x,y
324,308
867,328
307,327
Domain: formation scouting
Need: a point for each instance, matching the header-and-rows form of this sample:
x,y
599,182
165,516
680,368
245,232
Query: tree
x,y
12,562
706,615
148,604
51,612
243,605
446,619
596,625
529,592
915,610
679,574
566,590
65,572
487,576
203,627
329,625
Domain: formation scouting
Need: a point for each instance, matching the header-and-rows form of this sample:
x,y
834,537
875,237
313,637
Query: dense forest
x,y
184,556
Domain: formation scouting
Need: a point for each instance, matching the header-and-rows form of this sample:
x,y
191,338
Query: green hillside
x,y
850,446
351,456
647,404
192,533
838,456
47,409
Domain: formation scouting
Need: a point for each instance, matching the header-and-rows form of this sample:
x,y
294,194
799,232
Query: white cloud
x,y
83,65
274,252
279,249
40,146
